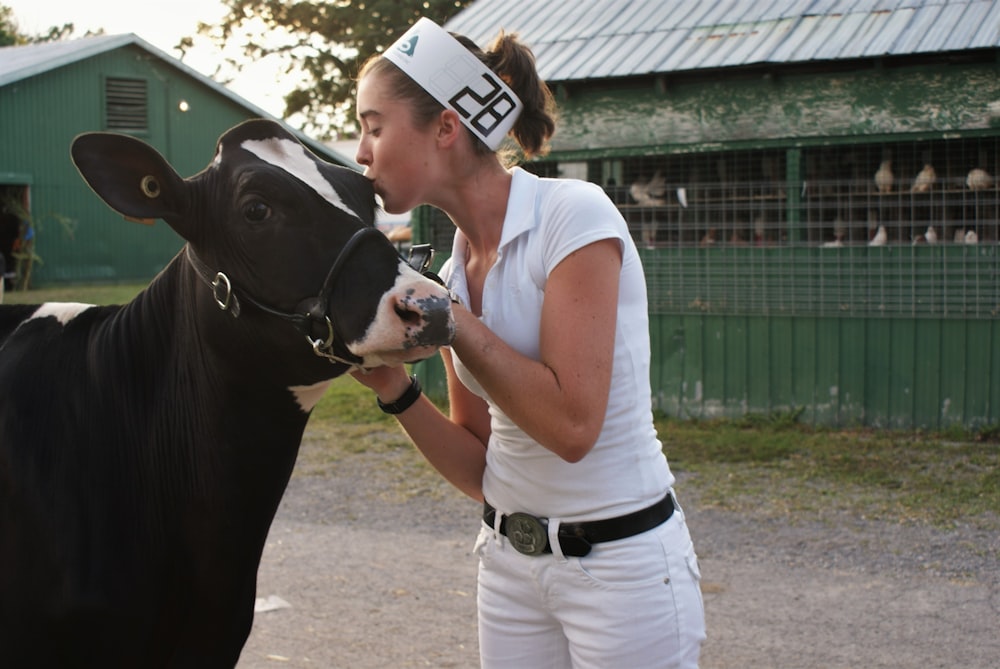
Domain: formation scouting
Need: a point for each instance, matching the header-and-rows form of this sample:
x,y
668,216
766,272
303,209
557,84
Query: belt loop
x,y
497,519
677,506
554,544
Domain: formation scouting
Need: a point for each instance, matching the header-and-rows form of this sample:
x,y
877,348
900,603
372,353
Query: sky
x,y
162,23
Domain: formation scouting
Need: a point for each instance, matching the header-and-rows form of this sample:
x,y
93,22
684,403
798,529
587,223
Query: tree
x,y
11,35
322,43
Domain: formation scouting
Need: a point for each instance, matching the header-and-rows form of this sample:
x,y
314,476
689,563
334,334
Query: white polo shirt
x,y
546,220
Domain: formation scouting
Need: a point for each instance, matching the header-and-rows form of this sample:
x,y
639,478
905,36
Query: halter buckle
x,y
421,256
228,302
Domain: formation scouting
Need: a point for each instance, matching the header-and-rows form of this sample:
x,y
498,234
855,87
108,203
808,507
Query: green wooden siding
x,y
842,372
759,107
942,280
78,237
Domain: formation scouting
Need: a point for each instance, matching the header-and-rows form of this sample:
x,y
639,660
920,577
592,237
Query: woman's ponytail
x,y
515,64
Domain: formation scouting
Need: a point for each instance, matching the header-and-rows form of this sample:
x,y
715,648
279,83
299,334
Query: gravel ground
x,y
369,567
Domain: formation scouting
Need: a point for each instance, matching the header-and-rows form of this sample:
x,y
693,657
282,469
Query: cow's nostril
x,y
407,314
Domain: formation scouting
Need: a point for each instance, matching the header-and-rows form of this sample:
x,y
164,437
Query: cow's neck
x,y
244,400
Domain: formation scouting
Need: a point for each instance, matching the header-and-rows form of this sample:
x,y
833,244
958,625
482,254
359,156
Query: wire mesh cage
x,y
882,229
905,229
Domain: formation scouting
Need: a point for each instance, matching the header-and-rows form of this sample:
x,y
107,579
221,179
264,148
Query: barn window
x,y
126,104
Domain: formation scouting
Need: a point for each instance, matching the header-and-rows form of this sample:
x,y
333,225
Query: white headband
x,y
439,63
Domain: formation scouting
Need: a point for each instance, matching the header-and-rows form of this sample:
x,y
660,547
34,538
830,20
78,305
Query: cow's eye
x,y
256,211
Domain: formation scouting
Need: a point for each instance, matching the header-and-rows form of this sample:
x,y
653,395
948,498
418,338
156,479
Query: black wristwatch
x,y
405,401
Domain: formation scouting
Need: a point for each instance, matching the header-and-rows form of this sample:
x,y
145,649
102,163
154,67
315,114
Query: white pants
x,y
630,604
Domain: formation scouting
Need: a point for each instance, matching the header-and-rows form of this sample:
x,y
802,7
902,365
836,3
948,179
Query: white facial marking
x,y
388,340
64,312
309,396
292,158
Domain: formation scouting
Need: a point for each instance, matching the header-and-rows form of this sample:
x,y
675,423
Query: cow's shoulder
x,y
12,315
32,325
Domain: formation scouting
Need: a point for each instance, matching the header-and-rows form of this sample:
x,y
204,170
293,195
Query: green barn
x,y
51,92
749,146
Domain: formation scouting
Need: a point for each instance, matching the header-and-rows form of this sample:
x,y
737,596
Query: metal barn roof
x,y
589,39
22,62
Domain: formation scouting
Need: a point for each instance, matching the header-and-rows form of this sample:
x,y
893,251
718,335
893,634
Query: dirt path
x,y
376,578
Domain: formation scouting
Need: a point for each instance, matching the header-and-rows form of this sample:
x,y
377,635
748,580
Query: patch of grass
x,y
347,401
111,293
348,431
770,464
328,442
782,468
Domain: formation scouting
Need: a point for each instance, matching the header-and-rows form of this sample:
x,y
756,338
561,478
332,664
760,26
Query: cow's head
x,y
283,232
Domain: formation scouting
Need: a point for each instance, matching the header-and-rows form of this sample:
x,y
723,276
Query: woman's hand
x,y
389,383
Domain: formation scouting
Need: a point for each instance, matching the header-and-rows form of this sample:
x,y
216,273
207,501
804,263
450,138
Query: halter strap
x,y
313,323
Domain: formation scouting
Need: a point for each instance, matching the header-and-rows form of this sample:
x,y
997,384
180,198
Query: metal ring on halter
x,y
221,278
320,347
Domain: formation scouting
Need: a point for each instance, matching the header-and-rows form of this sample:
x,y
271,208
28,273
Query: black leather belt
x,y
529,535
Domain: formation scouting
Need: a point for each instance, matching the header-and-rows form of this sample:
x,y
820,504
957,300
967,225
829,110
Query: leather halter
x,y
315,323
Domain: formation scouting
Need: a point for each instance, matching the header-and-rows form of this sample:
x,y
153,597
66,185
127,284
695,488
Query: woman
x,y
585,559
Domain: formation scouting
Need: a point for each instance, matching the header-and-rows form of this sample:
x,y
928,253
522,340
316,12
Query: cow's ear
x,y
129,175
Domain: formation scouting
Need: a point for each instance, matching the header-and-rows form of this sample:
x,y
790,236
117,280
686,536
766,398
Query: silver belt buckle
x,y
527,534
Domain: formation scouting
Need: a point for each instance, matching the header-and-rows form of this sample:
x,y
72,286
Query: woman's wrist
x,y
403,400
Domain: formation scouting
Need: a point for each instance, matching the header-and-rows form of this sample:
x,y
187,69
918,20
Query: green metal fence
x,y
922,281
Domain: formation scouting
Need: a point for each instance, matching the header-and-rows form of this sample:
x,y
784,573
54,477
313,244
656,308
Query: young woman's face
x,y
392,149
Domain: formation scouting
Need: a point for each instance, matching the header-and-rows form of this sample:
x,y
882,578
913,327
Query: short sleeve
x,y
576,214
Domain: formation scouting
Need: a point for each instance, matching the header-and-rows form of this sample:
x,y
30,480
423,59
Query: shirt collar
x,y
520,216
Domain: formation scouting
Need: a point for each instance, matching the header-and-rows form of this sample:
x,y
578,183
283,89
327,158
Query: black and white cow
x,y
144,448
